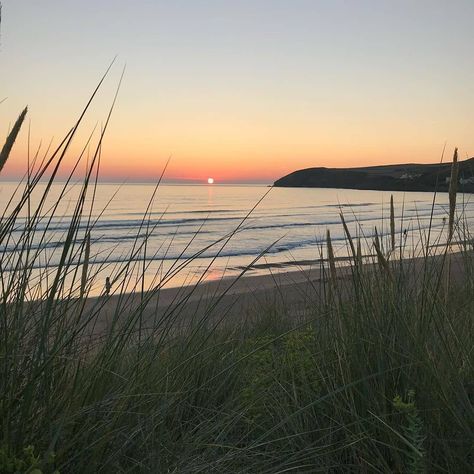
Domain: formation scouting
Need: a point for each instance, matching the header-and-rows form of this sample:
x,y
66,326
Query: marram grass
x,y
378,379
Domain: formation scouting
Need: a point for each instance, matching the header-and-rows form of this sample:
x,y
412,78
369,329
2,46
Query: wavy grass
x,y
377,378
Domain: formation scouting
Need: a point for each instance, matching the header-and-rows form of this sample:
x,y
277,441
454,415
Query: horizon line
x,y
118,180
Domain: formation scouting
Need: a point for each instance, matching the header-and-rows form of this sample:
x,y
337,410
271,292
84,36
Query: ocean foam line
x,y
179,213
118,224
161,223
178,231
206,255
333,222
52,244
226,253
359,204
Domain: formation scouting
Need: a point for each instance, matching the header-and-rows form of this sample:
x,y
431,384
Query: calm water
x,y
289,223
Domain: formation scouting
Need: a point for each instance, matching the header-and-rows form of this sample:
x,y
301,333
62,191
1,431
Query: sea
x,y
179,234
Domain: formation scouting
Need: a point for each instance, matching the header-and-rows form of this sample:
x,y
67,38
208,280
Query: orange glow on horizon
x,y
237,153
261,167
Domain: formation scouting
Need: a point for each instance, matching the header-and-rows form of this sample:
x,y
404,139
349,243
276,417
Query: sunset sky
x,y
247,90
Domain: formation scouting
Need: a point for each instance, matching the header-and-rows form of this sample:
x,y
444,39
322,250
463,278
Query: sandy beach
x,y
293,292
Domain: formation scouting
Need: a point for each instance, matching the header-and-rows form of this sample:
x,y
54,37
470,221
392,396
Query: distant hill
x,y
407,177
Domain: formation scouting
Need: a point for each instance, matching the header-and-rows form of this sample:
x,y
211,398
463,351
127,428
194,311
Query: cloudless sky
x,y
243,90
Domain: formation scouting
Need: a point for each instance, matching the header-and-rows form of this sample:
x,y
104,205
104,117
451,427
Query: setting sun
x,y
210,180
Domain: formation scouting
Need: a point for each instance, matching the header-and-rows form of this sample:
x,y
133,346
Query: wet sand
x,y
232,300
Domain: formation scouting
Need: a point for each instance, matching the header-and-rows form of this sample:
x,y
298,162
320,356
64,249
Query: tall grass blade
x,y
359,252
383,262
5,153
392,223
348,235
331,259
453,189
85,265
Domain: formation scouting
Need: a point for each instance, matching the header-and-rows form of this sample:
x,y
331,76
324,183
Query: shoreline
x,y
232,298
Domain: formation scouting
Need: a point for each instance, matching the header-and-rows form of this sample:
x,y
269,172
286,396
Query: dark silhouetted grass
x,y
376,377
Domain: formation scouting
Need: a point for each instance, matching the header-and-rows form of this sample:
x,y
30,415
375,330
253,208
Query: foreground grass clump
x,y
379,382
376,375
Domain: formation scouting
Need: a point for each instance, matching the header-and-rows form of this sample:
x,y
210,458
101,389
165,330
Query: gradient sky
x,y
244,90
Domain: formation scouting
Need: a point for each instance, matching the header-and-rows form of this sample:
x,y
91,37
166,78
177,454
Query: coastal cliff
x,y
404,177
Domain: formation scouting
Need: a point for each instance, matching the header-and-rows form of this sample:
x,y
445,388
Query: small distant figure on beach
x,y
108,286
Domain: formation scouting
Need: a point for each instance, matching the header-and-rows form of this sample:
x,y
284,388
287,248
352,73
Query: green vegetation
x,y
377,376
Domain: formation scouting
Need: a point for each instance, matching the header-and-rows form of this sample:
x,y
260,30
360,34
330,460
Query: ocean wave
x,y
179,213
111,259
117,224
358,204
55,233
120,224
215,251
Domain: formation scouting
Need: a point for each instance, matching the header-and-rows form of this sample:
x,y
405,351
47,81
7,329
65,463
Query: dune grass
x,y
375,377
